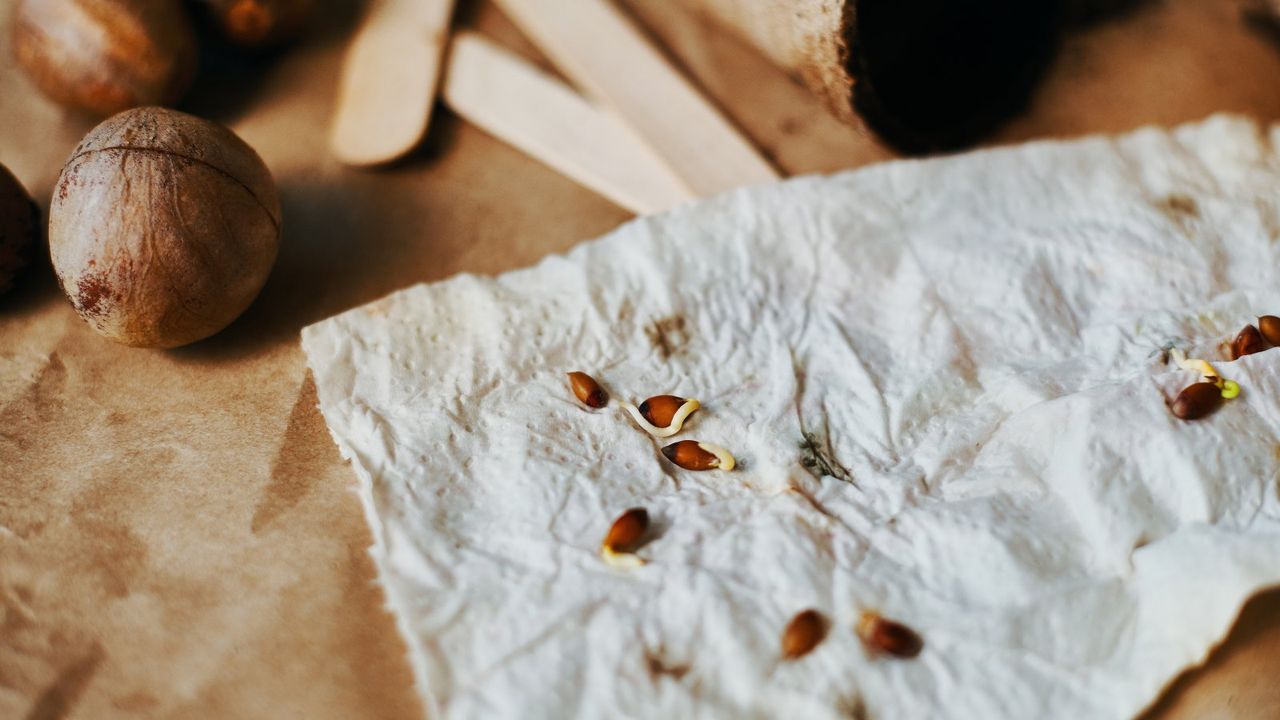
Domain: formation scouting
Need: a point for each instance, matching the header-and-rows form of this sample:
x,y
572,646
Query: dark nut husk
x,y
1196,401
803,634
625,536
587,390
19,225
163,227
1247,342
694,455
1269,326
104,56
259,23
884,636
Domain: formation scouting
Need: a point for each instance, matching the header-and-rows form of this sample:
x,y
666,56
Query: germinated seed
x,y
803,634
661,409
694,455
588,390
1196,401
882,635
1247,342
627,532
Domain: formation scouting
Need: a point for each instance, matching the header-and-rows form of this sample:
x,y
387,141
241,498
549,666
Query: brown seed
x,y
627,532
1270,327
882,635
1196,401
661,409
1247,342
693,455
803,634
588,390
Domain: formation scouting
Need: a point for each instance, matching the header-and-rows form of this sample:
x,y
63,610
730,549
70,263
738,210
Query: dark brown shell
x,y
104,56
163,227
19,227
1196,401
258,23
1247,342
627,532
802,634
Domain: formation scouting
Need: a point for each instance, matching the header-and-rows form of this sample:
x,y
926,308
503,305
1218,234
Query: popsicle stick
x,y
599,49
521,105
389,80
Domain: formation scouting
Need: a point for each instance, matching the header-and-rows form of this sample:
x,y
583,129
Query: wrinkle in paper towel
x,y
971,340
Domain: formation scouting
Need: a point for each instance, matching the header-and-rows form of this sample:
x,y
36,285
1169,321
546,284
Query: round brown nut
x,y
258,23
104,56
1196,401
1269,325
163,227
19,225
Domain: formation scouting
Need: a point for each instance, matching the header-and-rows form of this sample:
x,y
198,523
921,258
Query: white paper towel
x,y
974,343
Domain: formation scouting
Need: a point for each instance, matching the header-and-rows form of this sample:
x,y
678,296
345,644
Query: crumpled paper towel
x,y
974,346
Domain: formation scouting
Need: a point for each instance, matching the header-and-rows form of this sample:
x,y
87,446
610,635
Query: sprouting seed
x,y
694,455
662,416
1196,401
625,536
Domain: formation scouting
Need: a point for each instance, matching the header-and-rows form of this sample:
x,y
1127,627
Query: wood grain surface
x,y
178,536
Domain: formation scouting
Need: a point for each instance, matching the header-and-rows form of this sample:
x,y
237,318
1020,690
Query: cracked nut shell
x,y
104,56
1247,342
888,637
163,227
587,390
19,227
803,634
1196,401
1269,326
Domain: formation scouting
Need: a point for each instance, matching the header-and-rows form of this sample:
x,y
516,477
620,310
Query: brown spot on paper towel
x,y
668,335
302,458
660,667
1179,206
60,698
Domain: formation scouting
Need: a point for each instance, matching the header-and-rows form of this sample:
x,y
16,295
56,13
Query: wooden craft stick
x,y
598,48
389,80
518,103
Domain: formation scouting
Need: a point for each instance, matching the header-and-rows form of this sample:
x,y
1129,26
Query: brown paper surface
x,y
178,536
